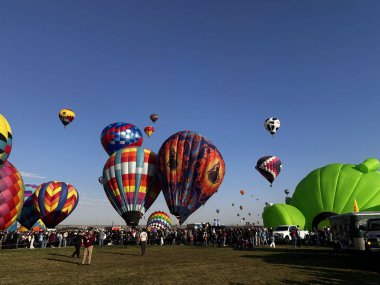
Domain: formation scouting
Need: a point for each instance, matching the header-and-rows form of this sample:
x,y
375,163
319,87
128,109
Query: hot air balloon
x,y
154,117
269,167
243,219
29,214
55,201
159,220
241,207
217,210
233,204
286,191
149,130
66,116
131,182
242,192
191,171
100,179
5,140
119,135
11,195
272,125
249,213
39,226
238,215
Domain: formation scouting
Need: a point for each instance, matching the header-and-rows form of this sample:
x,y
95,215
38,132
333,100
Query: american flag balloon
x,y
269,167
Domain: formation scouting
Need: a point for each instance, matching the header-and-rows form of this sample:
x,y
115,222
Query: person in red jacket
x,y
88,240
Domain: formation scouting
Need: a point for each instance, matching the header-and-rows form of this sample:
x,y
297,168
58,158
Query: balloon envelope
x,y
66,116
119,135
29,214
154,117
149,130
11,195
191,171
159,220
131,182
5,140
269,167
272,125
242,192
55,201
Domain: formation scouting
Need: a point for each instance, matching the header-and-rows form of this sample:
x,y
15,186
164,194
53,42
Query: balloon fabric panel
x,y
5,140
11,195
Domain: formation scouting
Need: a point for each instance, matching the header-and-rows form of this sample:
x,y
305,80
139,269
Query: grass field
x,y
188,265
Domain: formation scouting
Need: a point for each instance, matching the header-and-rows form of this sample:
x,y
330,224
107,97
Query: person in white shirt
x,y
143,240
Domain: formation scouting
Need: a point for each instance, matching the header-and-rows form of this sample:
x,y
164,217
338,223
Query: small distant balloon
x,y
217,210
149,130
269,167
154,117
241,207
287,191
233,204
243,219
242,192
272,125
238,215
66,116
249,213
100,179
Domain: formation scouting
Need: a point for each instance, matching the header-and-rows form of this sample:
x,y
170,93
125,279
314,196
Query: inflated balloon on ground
x,y
29,214
191,171
11,195
131,183
159,220
282,214
55,201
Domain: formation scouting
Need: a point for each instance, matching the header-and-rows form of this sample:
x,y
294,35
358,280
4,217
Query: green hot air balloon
x,y
282,214
333,189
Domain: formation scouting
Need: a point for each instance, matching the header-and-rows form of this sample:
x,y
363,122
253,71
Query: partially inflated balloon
x,y
149,130
119,135
191,171
39,226
66,116
154,117
55,201
269,167
11,195
29,214
131,183
159,220
272,125
5,140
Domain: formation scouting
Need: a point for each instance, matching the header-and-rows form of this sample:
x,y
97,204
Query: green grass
x,y
188,265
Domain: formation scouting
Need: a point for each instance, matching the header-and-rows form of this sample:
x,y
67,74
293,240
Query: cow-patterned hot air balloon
x,y
11,195
29,214
119,135
5,140
154,117
272,125
159,220
55,201
149,130
269,167
131,182
191,171
66,116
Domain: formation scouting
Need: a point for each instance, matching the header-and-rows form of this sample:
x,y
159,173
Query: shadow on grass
x,y
57,254
119,253
323,265
66,261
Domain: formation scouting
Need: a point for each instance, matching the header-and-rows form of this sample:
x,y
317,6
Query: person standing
x,y
77,243
143,240
88,241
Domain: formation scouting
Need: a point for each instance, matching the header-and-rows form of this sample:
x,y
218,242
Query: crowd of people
x,y
207,235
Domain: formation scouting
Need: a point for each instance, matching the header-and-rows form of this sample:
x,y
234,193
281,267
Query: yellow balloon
x,y
5,140
66,116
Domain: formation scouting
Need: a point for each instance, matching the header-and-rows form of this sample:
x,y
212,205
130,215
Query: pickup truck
x,y
282,233
372,235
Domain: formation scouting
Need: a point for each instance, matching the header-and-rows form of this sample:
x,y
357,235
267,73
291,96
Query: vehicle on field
x,y
349,230
283,233
372,235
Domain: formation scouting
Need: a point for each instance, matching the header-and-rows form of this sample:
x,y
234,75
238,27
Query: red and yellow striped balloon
x,y
11,195
55,201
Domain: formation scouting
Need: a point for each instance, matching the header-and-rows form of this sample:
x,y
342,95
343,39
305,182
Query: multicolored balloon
x,y
29,214
269,167
55,201
66,116
5,140
149,130
154,117
191,171
11,195
272,125
119,135
131,182
39,226
242,192
159,220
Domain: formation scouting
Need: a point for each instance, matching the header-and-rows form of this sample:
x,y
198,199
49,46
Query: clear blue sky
x,y
216,67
